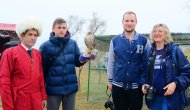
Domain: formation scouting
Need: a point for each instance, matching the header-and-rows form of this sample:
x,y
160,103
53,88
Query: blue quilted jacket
x,y
60,74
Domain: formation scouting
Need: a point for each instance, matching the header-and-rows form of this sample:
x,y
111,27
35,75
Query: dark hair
x,y
58,21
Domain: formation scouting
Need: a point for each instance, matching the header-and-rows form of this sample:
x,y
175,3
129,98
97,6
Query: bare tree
x,y
96,25
75,24
188,4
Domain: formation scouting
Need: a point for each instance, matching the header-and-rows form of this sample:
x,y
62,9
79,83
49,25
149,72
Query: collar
x,y
135,37
26,48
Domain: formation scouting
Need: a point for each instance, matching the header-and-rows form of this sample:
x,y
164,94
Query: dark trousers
x,y
127,99
54,101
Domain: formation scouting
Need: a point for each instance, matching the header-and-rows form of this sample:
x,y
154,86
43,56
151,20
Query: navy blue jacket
x,y
178,71
60,75
130,61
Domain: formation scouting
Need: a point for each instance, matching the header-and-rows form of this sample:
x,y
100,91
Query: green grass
x,y
97,96
97,90
187,53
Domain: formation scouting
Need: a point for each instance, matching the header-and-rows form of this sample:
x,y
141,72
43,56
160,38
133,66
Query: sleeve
x,y
77,56
111,61
182,78
148,44
42,84
144,64
6,69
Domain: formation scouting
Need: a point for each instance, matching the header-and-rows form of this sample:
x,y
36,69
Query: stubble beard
x,y
129,31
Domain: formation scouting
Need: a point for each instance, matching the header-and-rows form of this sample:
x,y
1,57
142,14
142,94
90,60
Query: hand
x,y
170,89
143,88
109,86
44,104
88,55
93,54
84,57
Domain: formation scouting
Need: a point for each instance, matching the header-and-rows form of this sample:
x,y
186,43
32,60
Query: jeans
x,y
158,103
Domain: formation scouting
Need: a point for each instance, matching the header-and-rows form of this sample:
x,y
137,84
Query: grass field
x,y
97,91
97,97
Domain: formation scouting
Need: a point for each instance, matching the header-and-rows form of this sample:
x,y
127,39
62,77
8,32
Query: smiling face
x,y
159,34
129,22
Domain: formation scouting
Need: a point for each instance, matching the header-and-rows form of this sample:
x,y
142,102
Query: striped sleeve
x,y
111,61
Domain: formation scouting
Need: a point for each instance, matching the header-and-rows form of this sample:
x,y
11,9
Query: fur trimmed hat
x,y
29,23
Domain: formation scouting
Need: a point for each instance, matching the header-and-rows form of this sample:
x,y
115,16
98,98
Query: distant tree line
x,y
180,38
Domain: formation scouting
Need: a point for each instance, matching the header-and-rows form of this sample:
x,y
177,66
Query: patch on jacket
x,y
140,49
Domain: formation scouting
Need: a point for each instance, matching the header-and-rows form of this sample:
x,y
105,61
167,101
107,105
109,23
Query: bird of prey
x,y
90,42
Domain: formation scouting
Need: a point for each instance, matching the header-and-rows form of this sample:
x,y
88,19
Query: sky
x,y
174,13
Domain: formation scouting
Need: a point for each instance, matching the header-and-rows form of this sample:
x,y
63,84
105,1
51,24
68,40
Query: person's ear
x,y
22,35
53,28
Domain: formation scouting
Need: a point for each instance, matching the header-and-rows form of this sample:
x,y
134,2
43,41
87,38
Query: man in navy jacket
x,y
60,56
127,63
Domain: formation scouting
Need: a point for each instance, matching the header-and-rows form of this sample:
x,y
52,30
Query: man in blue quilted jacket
x,y
60,56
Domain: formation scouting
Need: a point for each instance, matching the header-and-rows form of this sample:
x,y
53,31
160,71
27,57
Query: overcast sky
x,y
174,13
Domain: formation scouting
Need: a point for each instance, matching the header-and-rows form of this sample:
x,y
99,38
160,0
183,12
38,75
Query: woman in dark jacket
x,y
168,72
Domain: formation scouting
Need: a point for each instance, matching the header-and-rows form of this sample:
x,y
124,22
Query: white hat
x,y
29,23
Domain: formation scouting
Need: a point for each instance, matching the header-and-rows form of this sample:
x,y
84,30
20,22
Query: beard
x,y
129,31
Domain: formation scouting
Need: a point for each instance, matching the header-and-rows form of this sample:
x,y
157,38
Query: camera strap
x,y
109,95
151,67
163,57
109,103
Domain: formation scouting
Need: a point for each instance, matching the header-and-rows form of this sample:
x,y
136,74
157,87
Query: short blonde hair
x,y
168,38
130,13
